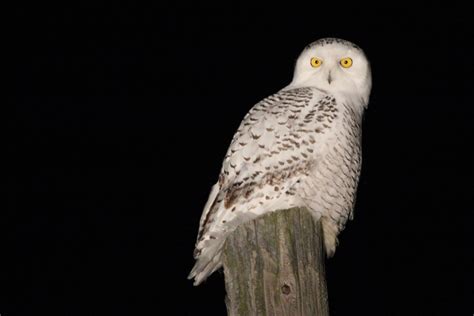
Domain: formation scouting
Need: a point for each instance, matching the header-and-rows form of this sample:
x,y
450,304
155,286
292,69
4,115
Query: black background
x,y
122,115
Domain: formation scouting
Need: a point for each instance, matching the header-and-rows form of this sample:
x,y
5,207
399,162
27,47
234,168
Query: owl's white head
x,y
336,66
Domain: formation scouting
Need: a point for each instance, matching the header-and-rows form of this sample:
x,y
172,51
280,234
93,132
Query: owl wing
x,y
273,140
277,142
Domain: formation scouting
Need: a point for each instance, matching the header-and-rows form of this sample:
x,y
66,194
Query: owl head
x,y
336,66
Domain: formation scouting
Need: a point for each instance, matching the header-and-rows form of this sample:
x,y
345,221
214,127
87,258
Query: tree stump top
x,y
274,265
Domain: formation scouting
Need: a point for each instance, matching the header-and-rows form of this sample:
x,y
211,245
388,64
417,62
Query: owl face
x,y
336,66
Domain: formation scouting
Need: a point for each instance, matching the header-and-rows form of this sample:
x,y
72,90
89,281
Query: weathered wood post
x,y
274,265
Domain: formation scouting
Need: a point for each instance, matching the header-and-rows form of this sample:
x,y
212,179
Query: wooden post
x,y
274,265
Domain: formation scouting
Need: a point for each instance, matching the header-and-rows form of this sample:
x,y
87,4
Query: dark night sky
x,y
122,116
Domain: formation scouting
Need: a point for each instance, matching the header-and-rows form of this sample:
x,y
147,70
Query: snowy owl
x,y
300,147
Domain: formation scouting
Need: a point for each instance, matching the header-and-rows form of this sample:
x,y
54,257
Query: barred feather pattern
x,y
298,147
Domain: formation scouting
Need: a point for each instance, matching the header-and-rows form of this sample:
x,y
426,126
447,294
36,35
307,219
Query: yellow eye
x,y
316,62
346,62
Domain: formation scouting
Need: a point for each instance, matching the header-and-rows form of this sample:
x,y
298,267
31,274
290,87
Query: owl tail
x,y
207,252
208,261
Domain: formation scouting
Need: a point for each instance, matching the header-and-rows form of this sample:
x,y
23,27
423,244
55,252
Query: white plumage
x,y
298,147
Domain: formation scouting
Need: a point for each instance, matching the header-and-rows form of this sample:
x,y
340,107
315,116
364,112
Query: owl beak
x,y
329,78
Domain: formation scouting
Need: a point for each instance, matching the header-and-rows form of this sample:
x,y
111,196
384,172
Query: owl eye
x,y
346,62
316,62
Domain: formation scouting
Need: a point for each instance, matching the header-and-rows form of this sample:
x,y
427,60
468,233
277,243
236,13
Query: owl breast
x,y
330,190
